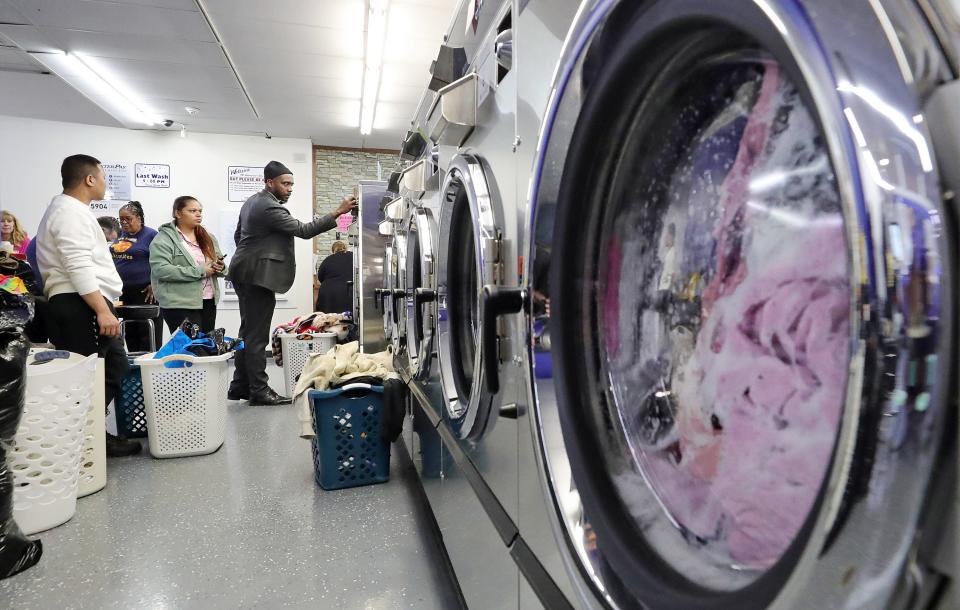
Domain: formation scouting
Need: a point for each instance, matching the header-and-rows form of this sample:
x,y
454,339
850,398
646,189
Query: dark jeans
x,y
206,317
138,331
73,327
256,312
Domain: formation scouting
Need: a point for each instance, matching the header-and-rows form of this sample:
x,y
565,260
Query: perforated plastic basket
x,y
48,447
296,348
348,449
186,407
131,415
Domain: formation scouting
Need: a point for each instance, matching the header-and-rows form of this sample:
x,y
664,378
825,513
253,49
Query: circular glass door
x,y
702,297
468,260
389,282
421,291
398,300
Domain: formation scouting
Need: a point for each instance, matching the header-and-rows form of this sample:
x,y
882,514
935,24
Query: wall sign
x,y
243,182
343,222
152,175
118,181
118,190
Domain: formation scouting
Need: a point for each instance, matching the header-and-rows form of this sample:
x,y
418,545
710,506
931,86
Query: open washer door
x,y
470,239
740,340
421,286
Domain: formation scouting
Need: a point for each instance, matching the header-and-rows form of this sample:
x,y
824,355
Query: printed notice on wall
x,y
118,190
152,175
118,181
243,182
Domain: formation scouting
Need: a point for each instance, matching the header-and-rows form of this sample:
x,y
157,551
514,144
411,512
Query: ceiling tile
x,y
46,97
129,45
293,39
344,15
100,16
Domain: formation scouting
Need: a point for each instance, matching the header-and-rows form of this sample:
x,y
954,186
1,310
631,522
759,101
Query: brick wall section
x,y
336,172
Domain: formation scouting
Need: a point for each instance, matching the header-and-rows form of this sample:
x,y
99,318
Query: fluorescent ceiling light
x,y
111,95
373,62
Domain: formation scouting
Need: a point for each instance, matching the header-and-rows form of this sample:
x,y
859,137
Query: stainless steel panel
x,y
369,274
487,574
540,29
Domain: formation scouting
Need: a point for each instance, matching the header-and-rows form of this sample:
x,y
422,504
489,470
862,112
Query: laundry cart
x,y
296,348
185,399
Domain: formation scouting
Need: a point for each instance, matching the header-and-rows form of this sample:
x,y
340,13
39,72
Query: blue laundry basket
x,y
348,448
131,416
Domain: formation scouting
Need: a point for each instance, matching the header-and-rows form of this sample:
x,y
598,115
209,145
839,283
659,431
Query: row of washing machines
x,y
673,283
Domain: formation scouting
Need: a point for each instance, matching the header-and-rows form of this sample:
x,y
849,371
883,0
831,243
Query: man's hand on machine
x,y
348,204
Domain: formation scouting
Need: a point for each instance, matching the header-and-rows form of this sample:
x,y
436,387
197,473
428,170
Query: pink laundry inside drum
x,y
757,377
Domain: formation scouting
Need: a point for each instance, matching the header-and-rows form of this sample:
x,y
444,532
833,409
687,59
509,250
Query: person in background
x,y
185,264
80,279
336,281
263,265
11,231
110,227
131,255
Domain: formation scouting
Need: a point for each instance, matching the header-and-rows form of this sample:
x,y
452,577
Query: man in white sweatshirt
x,y
80,280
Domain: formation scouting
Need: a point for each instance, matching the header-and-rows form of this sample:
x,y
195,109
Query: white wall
x,y
31,152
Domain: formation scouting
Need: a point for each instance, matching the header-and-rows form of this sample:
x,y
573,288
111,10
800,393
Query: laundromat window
x,y
722,307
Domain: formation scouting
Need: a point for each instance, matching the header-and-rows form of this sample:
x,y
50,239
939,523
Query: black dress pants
x,y
206,317
256,312
73,327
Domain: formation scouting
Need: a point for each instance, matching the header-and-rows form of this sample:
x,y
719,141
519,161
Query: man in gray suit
x,y
262,266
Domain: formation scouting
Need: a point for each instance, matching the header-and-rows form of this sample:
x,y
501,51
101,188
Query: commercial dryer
x,y
739,302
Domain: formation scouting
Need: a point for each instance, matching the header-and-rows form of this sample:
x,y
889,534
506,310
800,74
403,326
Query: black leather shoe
x,y
268,399
237,395
120,447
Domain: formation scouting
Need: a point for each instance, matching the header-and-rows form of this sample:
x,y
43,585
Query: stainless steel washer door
x,y
389,283
744,309
398,336
469,259
421,291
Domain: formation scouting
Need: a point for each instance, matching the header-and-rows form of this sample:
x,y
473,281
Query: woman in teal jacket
x,y
185,267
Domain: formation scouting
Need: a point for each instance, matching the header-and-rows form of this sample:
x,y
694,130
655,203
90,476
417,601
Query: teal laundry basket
x,y
348,447
131,416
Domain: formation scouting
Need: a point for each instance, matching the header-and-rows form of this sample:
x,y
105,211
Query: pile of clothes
x,y
340,324
340,365
189,339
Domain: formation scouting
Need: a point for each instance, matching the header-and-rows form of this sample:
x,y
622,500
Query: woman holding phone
x,y
186,264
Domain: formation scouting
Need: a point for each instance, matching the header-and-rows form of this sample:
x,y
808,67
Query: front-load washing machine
x,y
472,125
739,297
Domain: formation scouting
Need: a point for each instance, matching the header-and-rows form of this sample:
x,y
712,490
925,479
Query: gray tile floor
x,y
245,527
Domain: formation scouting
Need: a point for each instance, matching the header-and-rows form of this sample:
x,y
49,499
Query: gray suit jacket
x,y
264,239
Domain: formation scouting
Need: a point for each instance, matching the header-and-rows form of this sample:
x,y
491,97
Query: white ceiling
x,y
301,62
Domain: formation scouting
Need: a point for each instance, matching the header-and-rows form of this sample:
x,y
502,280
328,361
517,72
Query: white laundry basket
x,y
296,348
93,463
46,454
186,407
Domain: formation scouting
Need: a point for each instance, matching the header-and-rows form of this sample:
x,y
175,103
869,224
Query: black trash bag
x,y
16,310
17,552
